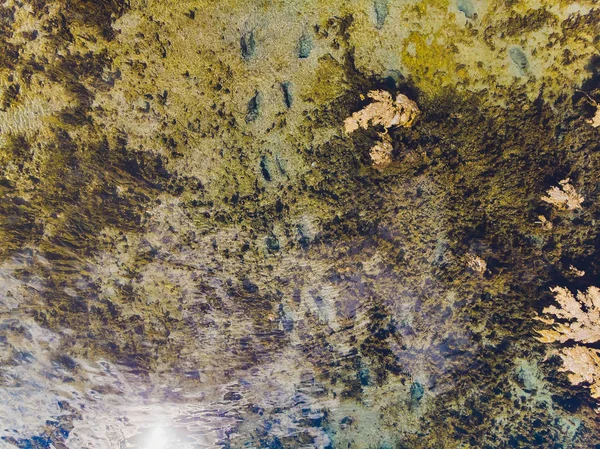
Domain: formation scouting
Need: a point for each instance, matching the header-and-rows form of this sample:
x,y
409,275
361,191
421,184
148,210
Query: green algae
x,y
428,60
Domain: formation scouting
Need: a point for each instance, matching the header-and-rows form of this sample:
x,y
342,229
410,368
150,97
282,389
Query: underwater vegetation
x,y
282,224
385,112
581,320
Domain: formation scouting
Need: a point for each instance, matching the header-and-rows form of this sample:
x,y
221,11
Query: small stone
x,y
381,12
253,108
264,169
416,392
272,243
287,95
519,59
466,7
248,45
304,46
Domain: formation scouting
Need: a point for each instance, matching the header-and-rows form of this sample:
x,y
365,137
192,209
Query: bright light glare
x,y
158,439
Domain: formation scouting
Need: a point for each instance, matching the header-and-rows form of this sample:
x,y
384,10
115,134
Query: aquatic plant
x,y
595,120
564,196
476,263
386,112
381,153
576,319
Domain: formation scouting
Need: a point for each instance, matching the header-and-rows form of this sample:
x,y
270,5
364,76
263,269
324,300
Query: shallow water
x,y
195,254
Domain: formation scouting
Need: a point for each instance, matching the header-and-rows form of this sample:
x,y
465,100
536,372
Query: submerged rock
x,y
416,392
248,45
466,7
519,59
253,108
287,94
305,45
381,12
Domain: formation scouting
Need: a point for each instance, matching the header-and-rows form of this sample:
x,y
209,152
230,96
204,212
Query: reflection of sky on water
x,y
272,396
98,404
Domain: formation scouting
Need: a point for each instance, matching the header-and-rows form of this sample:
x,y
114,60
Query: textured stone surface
x,y
194,253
